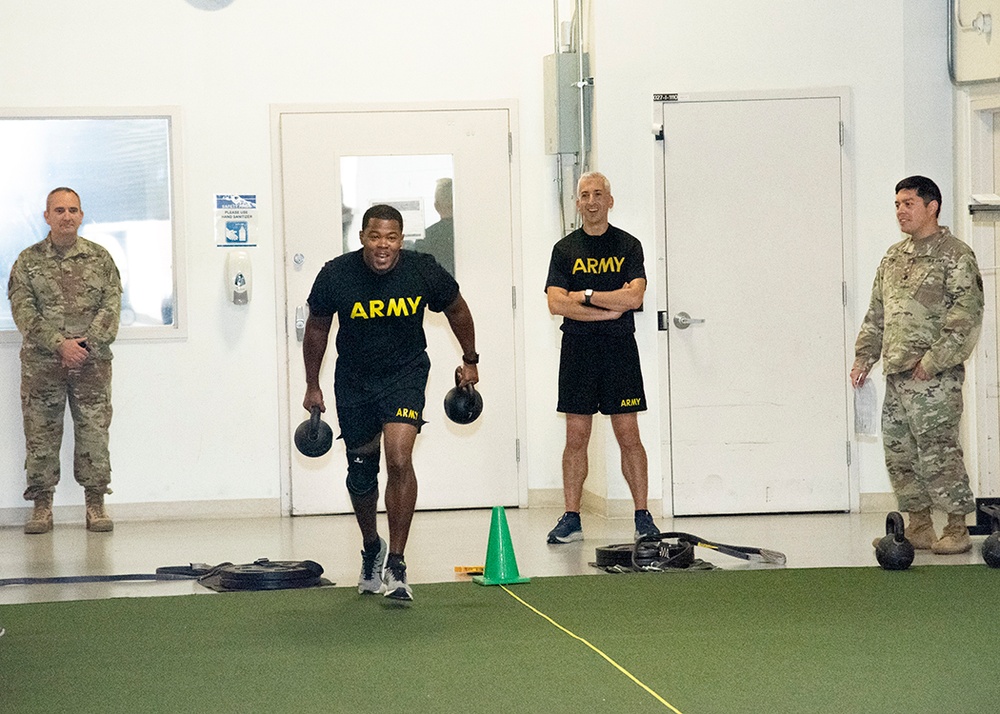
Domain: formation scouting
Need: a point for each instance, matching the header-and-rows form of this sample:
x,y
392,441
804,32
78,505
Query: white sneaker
x,y
372,565
394,579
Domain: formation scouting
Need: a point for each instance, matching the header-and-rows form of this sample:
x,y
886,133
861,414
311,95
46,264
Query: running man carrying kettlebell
x,y
379,294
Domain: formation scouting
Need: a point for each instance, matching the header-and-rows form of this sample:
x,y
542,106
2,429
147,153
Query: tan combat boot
x,y
955,537
98,519
920,531
41,517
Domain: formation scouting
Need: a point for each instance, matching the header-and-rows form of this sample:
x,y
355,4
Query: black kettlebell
x,y
894,552
463,405
313,437
991,546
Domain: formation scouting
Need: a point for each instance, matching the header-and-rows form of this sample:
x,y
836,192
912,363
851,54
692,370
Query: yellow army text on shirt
x,y
926,306
58,295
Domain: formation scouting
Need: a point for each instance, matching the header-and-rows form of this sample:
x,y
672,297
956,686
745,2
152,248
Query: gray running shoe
x,y
372,564
396,587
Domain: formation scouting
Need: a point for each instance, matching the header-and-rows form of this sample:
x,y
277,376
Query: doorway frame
x,y
852,302
977,108
283,316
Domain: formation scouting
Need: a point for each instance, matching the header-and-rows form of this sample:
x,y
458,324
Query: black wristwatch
x,y
473,360
587,294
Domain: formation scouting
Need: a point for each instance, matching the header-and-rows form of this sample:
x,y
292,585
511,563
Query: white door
x,y
753,210
333,166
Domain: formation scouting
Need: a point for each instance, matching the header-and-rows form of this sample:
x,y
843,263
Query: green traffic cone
x,y
501,566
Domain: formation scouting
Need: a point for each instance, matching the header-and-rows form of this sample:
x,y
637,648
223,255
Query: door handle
x,y
682,321
300,322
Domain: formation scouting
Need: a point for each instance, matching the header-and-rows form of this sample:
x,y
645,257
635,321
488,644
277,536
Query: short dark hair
x,y
383,212
61,189
926,189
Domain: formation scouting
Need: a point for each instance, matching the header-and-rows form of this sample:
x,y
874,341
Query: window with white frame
x,y
121,168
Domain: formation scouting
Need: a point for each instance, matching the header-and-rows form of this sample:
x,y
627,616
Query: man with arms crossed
x,y
596,279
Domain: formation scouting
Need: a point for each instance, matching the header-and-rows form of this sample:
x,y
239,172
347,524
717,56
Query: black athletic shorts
x,y
599,373
362,420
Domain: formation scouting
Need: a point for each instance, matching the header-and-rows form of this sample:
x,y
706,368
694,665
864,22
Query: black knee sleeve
x,y
362,472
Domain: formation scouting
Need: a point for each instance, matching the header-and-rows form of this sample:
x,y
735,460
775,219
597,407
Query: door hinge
x,y
848,452
843,287
841,133
517,450
513,297
510,145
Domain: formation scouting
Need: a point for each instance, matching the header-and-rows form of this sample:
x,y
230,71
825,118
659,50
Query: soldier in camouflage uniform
x,y
925,314
65,296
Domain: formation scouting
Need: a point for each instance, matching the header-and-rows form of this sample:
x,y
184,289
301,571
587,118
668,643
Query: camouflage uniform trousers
x,y
923,454
45,389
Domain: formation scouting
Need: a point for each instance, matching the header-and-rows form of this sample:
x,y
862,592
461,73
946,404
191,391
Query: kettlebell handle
x,y
994,513
894,526
458,378
314,418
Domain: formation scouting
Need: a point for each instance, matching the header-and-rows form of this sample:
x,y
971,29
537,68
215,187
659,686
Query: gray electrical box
x,y
562,102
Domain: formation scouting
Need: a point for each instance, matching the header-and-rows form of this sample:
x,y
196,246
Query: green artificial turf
x,y
851,640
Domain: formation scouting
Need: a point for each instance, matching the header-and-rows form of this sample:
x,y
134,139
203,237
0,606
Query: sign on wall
x,y
235,220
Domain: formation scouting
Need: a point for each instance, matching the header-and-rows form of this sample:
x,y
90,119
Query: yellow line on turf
x,y
617,666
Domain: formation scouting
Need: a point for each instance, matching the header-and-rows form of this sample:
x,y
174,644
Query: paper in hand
x,y
866,409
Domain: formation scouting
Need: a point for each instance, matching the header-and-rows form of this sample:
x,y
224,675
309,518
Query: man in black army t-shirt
x,y
596,279
379,294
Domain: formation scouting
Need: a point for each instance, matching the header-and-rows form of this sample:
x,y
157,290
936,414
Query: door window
x,y
419,187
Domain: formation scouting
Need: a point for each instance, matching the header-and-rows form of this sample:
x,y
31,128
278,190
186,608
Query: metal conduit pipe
x,y
555,25
582,85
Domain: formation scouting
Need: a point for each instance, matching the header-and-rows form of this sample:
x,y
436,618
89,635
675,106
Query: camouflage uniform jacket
x,y
926,306
56,296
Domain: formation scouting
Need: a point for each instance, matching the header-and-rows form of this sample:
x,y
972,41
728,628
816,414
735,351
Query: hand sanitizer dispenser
x,y
239,277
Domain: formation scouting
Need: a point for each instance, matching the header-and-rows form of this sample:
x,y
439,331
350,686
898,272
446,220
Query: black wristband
x,y
473,360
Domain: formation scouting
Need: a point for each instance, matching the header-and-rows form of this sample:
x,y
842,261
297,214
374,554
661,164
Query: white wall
x,y
197,419
893,61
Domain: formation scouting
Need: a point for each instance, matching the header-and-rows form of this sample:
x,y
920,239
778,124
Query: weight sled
x,y
653,553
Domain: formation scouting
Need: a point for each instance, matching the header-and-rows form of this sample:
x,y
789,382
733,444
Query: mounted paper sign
x,y
407,182
973,52
412,211
235,220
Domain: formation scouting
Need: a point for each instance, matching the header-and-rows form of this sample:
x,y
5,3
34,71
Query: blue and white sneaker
x,y
394,580
644,525
372,565
567,530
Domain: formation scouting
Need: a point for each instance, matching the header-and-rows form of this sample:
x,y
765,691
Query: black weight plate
x,y
258,573
620,554
682,555
264,573
269,585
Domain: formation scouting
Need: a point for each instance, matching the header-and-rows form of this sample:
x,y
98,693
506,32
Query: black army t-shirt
x,y
602,263
380,316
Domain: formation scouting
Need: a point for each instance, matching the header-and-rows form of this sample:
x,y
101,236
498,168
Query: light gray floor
x,y
439,541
